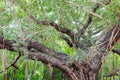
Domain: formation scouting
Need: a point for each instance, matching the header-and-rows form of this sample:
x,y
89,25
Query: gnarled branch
x,y
54,25
9,45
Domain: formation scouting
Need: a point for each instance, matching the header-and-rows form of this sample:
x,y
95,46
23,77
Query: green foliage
x,y
58,75
15,24
113,61
35,69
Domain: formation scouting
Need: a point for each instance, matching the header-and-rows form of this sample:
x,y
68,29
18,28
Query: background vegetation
x,y
16,24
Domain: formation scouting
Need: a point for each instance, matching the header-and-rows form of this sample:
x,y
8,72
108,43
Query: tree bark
x,y
78,70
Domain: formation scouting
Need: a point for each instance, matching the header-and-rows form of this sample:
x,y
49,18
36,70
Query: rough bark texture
x,y
77,70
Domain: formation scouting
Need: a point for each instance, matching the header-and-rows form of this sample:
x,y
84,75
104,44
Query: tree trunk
x,y
78,70
82,75
89,68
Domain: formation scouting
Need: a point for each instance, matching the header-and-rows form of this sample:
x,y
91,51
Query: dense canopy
x,y
60,39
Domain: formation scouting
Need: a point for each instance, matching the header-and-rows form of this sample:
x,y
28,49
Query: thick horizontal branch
x,y
42,48
46,59
50,56
9,45
54,62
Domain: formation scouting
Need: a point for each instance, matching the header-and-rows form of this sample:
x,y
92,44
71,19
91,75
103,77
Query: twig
x,y
13,63
85,26
51,71
114,72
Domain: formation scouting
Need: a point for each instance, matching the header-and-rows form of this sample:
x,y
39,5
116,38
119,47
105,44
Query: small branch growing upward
x,y
85,26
